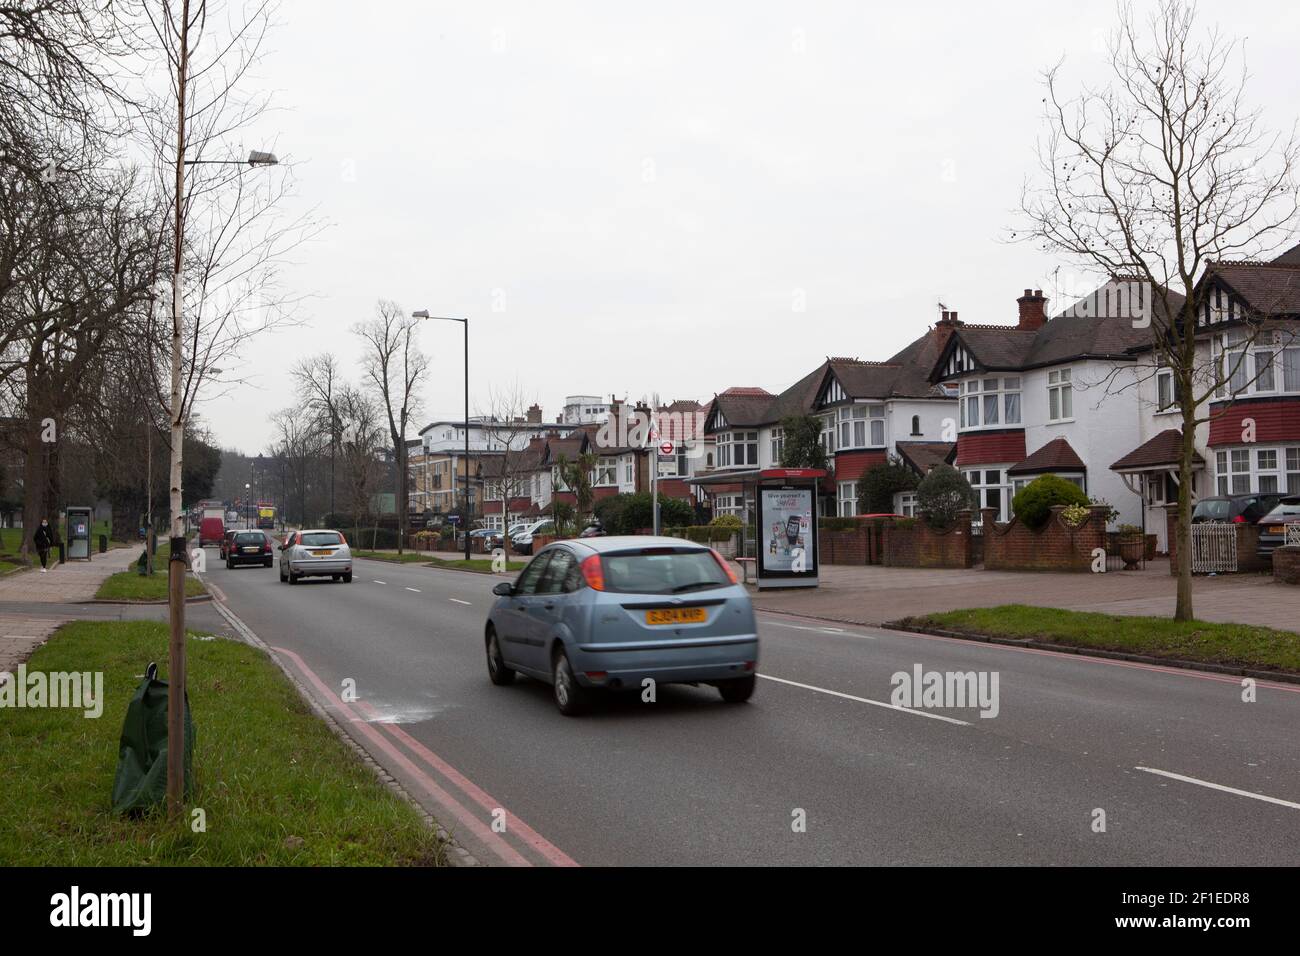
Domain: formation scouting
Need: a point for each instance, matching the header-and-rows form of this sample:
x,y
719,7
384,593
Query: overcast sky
x,y
633,198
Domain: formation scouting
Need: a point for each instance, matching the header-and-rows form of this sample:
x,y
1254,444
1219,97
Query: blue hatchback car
x,y
611,612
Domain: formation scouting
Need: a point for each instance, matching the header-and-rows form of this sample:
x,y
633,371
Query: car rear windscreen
x,y
1216,509
249,538
656,571
316,539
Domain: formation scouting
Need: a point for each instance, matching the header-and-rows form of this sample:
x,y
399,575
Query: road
x,y
691,780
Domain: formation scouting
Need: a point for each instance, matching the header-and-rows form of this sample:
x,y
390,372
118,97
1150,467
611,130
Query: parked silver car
x,y
315,553
611,612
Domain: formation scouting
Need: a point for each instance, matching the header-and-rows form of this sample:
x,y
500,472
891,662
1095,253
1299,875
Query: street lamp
x,y
255,158
424,314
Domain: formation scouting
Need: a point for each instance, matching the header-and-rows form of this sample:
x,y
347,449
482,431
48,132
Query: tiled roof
x,y
924,455
1268,287
1162,450
1056,455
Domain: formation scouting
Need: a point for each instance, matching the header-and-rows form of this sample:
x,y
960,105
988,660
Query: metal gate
x,y
1293,535
1214,548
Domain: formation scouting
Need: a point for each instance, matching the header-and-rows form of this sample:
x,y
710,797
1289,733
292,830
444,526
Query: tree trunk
x,y
1183,528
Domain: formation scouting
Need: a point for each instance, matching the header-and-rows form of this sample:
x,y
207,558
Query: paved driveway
x,y
871,594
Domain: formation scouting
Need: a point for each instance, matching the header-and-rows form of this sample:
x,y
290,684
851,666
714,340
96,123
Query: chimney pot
x,y
1033,310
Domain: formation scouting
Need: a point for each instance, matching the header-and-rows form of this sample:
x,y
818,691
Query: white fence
x,y
1214,548
1293,535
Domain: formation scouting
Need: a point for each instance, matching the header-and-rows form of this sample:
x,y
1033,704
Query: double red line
x,y
420,766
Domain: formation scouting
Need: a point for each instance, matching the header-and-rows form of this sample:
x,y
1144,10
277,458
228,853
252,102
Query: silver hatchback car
x,y
315,552
613,612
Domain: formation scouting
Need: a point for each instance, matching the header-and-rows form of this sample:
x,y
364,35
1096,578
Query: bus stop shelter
x,y
780,534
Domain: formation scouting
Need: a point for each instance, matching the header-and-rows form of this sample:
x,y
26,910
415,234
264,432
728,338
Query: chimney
x,y
944,328
1033,310
536,442
534,414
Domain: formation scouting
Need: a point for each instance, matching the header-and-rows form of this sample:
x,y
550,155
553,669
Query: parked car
x,y
592,531
522,543
225,542
608,613
315,553
249,547
1272,527
1235,509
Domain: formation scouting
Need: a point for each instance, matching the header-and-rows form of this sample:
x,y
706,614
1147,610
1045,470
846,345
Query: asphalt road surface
x,y
817,768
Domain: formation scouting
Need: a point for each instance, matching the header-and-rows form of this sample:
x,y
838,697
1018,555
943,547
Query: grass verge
x,y
131,586
1227,644
406,557
482,565
276,786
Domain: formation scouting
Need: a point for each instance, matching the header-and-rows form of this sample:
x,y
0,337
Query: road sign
x,y
666,447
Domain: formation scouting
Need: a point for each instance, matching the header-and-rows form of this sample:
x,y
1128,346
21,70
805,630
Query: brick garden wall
x,y
919,546
1286,565
1054,547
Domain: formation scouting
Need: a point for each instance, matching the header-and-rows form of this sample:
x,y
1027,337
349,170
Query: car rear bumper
x,y
706,659
309,568
260,558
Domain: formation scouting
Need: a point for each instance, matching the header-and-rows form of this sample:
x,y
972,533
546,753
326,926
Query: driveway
x,y
872,595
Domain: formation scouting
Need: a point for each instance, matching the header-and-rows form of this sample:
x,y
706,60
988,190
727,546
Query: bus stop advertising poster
x,y
785,532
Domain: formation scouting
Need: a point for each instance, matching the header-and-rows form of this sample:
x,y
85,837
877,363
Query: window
x,y
991,490
1244,471
916,426
606,471
1060,396
730,505
861,426
990,402
628,475
737,449
848,496
778,445
1168,394
907,504
1269,365
828,434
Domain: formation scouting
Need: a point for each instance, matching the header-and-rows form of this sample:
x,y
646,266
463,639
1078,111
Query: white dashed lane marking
x,y
416,590
459,601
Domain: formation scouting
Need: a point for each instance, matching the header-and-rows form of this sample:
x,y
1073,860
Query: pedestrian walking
x,y
44,540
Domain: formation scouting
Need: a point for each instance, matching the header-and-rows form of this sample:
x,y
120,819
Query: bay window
x,y
1269,365
861,426
991,490
990,403
1243,471
737,449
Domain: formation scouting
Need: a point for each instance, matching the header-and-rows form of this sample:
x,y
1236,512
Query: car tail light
x,y
1240,519
342,538
722,563
593,572
266,546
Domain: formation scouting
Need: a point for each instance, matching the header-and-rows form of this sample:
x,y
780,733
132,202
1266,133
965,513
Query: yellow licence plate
x,y
1276,529
323,554
677,615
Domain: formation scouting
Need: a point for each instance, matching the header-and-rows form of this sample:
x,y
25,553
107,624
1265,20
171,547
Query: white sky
x,y
629,197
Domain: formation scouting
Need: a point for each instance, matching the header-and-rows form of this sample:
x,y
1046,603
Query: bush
x,y
631,513
369,539
1033,505
878,485
942,494
837,524
727,521
703,534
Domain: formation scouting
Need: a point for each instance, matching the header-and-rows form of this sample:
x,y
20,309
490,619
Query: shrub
x,y
802,446
942,494
878,485
1033,505
837,524
726,521
1075,515
630,513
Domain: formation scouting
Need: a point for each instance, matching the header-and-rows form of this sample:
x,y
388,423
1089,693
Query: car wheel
x,y
500,674
293,578
347,577
570,698
282,577
737,691
267,564
336,578
230,565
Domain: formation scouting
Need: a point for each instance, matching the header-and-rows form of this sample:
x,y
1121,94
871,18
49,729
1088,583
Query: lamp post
x,y
178,560
424,314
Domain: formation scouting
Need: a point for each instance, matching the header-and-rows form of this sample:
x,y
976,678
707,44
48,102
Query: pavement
x,y
871,594
819,767
34,605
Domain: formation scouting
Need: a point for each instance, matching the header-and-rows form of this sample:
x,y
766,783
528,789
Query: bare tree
x,y
1157,176
513,458
361,442
394,368
318,381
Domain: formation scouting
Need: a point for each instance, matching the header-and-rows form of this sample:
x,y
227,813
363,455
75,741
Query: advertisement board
x,y
786,541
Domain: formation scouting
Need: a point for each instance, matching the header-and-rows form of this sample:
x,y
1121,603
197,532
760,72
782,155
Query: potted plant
x,y
1132,545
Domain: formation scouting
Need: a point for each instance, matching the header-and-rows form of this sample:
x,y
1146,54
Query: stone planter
x,y
1132,549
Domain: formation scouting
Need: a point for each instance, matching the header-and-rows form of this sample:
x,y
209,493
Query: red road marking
x,y
1083,656
553,854
493,840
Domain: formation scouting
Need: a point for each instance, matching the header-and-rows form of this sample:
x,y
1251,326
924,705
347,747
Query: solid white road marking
x,y
459,601
864,700
381,582
1219,786
416,590
822,630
